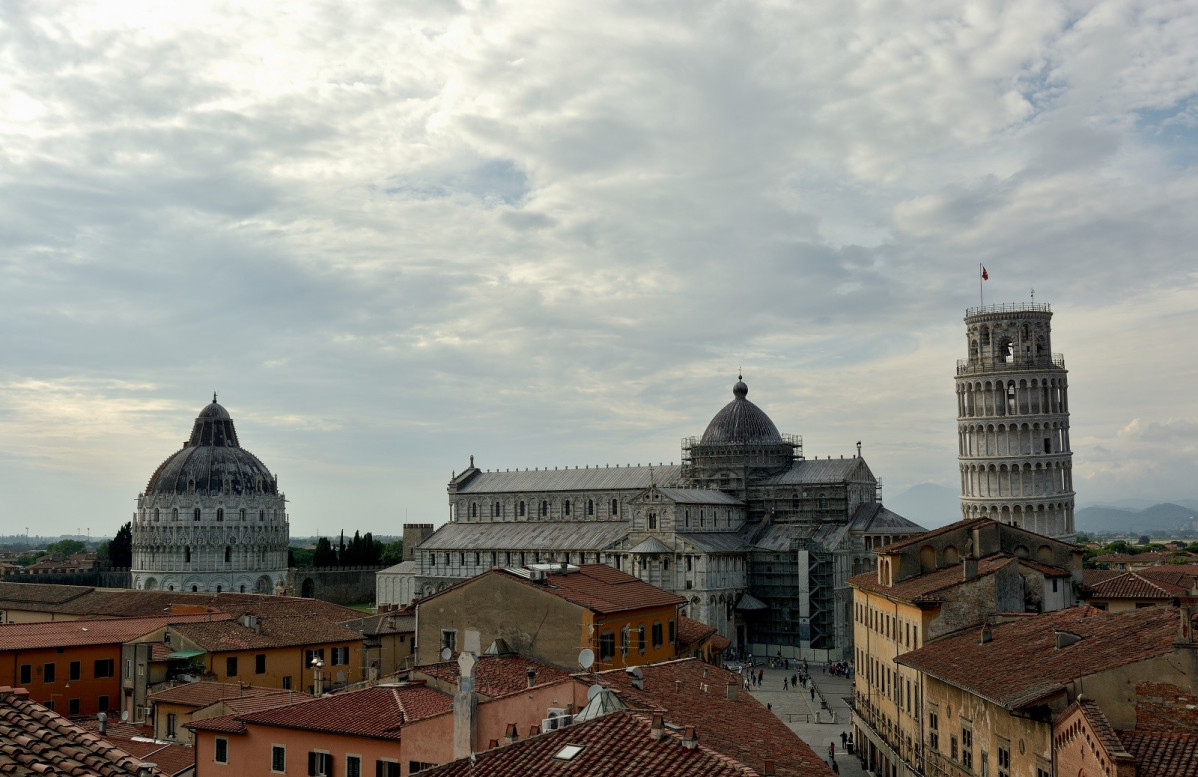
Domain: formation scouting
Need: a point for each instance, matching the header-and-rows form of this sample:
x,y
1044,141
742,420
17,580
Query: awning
x,y
185,654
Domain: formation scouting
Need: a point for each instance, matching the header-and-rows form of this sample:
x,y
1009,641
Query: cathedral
x,y
212,517
758,538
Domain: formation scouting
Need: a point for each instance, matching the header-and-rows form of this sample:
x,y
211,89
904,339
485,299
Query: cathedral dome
x,y
740,421
212,461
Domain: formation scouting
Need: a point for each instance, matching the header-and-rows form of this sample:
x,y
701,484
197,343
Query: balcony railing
x,y
971,366
1010,307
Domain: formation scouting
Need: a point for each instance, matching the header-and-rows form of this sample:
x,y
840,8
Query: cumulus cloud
x,y
547,233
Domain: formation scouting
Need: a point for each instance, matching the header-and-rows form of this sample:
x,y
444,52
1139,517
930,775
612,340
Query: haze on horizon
x,y
550,234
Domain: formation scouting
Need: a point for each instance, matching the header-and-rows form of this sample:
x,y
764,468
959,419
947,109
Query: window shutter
x,y
311,763
378,769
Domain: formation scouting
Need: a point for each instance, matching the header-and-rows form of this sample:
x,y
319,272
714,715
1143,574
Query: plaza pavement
x,y
797,709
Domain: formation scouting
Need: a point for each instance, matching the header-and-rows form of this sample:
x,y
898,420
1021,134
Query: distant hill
x,y
1166,516
928,504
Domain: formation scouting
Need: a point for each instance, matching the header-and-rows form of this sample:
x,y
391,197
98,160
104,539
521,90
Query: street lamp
x,y
318,677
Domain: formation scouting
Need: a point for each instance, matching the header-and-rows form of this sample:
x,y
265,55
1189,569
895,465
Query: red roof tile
x,y
1162,755
202,694
377,712
691,631
1136,585
616,745
104,631
602,589
692,693
923,588
1021,663
126,603
497,676
35,740
276,631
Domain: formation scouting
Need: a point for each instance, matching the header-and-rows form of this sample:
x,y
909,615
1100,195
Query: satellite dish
x,y
586,658
594,691
124,714
446,654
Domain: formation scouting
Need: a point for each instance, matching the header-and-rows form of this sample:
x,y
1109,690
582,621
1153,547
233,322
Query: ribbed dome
x,y
212,461
740,421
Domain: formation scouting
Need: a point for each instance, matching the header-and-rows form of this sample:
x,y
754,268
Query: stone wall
x,y
340,585
97,578
1165,707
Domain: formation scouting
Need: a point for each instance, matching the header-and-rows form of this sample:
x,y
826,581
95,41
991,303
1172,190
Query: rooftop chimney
x,y
733,690
532,676
985,636
657,727
769,768
103,720
689,739
494,743
970,568
510,734
465,708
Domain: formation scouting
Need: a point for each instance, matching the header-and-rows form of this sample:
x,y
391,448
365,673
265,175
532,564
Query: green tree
x,y
1144,539
392,553
66,547
120,548
324,556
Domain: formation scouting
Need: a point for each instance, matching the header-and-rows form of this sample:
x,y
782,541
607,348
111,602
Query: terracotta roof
x,y
1093,576
1162,755
277,631
693,693
121,602
221,724
202,694
1135,585
497,676
923,588
35,740
919,539
103,631
169,758
618,744
692,632
1021,663
241,704
601,589
377,712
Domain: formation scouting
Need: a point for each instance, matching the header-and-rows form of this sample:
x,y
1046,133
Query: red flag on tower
x,y
985,275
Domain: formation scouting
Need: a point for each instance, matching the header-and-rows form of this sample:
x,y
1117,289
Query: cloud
x,y
551,233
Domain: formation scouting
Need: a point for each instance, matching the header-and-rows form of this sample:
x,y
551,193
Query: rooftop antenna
x,y
1033,295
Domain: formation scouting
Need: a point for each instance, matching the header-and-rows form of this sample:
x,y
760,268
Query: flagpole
x,y
981,294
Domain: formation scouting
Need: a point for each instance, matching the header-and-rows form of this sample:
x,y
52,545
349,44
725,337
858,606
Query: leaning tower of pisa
x,y
1013,421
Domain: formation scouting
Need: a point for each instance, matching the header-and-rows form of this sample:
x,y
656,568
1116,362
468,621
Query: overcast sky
x,y
394,235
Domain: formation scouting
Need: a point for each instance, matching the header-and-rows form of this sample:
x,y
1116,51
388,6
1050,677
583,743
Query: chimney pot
x,y
733,690
657,726
689,740
986,634
494,743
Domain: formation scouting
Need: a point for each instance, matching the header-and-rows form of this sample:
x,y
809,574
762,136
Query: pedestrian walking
x,y
831,750
785,684
835,767
813,692
794,681
844,738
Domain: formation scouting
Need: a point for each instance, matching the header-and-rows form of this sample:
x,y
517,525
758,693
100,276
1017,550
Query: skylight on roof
x,y
567,753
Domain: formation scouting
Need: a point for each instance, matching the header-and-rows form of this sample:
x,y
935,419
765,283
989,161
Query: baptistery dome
x,y
212,517
212,461
740,421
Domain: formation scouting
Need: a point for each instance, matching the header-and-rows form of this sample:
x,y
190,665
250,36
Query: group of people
x,y
839,669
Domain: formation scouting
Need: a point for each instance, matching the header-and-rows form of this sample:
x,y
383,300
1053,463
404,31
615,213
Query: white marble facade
x,y
212,517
